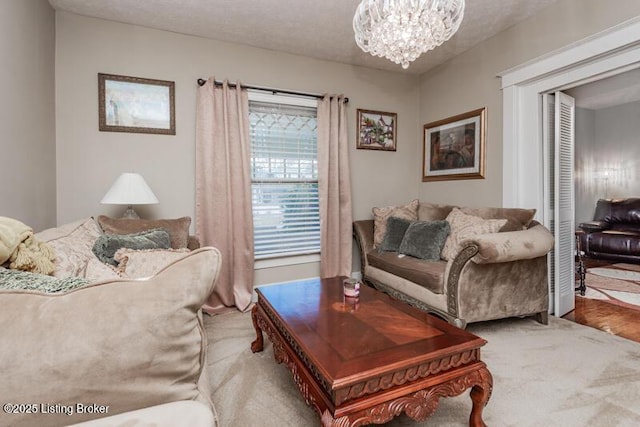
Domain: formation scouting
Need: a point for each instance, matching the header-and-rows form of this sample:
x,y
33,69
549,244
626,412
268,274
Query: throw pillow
x,y
425,239
128,344
146,262
381,215
465,226
72,244
97,271
178,229
106,245
517,219
396,227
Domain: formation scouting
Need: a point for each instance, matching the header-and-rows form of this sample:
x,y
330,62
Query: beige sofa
x,y
118,351
490,276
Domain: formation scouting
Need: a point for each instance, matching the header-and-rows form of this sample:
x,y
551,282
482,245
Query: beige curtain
x,y
334,187
223,191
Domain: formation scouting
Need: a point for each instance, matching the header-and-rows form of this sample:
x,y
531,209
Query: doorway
x,y
603,55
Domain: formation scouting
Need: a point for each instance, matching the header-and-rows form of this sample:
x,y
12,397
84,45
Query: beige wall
x,y
27,121
89,160
469,81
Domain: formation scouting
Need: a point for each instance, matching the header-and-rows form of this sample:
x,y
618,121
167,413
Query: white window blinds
x,y
284,179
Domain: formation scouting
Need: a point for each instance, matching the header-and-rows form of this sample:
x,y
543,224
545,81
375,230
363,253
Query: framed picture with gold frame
x,y
134,104
454,148
376,130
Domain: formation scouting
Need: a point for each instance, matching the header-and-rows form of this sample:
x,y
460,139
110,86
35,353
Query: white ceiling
x,y
620,89
315,28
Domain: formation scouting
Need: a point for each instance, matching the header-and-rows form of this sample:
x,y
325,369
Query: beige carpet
x,y
563,374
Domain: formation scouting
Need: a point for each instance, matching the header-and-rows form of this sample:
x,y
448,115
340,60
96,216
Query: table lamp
x,y
129,189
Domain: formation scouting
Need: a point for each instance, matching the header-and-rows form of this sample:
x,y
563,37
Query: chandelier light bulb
x,y
402,30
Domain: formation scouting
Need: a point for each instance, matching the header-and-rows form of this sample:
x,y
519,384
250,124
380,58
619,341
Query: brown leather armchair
x,y
614,233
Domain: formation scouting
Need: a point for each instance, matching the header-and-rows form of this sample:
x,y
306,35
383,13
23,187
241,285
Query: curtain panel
x,y
224,216
334,186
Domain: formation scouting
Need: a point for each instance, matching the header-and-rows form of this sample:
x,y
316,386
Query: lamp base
x,y
130,213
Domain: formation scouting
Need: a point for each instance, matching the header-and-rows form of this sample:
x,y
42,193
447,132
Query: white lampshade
x,y
129,189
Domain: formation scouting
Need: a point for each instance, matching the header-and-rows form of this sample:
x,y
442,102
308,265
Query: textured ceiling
x,y
315,28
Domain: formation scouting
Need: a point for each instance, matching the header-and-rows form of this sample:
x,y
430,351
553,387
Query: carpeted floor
x,y
563,374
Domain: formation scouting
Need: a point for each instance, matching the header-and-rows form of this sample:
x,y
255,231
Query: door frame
x,y
605,54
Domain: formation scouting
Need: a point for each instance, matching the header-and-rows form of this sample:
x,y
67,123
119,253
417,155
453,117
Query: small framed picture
x,y
133,104
376,130
453,148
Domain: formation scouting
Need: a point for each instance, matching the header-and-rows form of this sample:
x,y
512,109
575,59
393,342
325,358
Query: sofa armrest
x,y
509,246
593,226
363,233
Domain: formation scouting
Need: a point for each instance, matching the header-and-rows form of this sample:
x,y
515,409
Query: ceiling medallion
x,y
402,30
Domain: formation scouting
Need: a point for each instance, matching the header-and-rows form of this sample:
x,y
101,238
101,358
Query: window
x,y
284,176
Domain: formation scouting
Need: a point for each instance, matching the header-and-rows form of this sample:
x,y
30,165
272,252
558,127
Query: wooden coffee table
x,y
365,363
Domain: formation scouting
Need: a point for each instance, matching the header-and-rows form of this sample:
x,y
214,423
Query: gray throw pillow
x,y
425,239
106,245
396,227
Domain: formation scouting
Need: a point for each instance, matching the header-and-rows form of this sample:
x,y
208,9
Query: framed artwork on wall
x,y
453,148
376,130
133,104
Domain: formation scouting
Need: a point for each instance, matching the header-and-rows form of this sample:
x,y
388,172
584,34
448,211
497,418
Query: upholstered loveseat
x,y
485,276
614,233
117,351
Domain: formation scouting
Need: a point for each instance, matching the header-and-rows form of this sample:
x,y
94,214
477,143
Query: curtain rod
x,y
201,82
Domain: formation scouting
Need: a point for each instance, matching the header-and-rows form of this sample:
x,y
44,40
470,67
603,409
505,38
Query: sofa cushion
x,y
125,344
178,228
429,274
433,212
146,262
425,239
381,215
517,219
463,227
396,228
106,245
72,244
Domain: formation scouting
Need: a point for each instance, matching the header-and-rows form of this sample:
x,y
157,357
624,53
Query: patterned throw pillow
x,y
106,245
72,245
381,215
464,227
147,262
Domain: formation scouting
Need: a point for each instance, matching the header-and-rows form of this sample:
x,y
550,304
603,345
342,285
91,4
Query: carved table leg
x,y
258,344
480,395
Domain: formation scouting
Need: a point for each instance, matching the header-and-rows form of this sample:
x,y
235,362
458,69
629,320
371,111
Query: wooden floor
x,y
607,317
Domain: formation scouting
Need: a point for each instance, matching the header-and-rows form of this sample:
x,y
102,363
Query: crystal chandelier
x,y
402,30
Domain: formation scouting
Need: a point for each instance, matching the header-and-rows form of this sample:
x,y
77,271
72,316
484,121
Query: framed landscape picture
x,y
133,104
453,148
376,130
